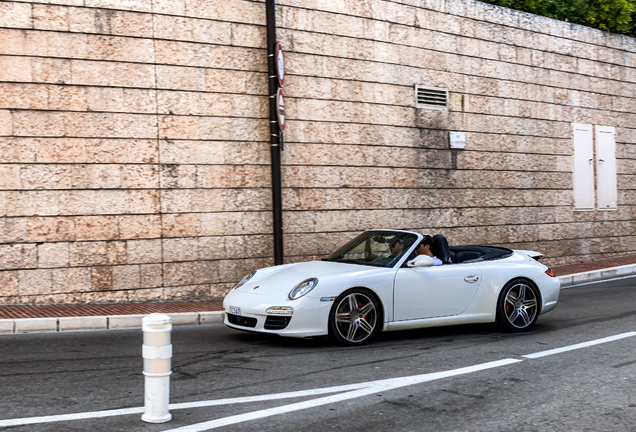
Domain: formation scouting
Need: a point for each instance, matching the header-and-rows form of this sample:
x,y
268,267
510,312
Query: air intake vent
x,y
431,97
241,320
277,322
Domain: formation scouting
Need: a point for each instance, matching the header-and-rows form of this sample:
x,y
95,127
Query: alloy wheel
x,y
521,305
356,318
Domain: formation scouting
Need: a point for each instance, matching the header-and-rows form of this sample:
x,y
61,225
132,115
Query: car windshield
x,y
374,248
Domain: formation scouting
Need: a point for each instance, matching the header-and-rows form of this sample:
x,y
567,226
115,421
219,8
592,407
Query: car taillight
x,y
549,272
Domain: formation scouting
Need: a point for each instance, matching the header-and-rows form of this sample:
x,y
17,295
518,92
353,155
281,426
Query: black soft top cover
x,y
461,254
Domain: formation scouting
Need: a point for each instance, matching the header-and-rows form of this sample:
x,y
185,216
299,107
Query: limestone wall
x,y
364,157
134,161
134,158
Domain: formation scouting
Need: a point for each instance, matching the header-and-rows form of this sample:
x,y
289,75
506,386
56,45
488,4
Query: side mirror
x,y
421,261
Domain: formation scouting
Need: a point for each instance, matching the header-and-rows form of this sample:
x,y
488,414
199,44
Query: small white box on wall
x,y
458,140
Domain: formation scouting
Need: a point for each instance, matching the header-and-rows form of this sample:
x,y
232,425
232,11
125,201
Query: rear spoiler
x,y
530,254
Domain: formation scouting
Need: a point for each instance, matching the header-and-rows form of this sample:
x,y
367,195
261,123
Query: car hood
x,y
273,280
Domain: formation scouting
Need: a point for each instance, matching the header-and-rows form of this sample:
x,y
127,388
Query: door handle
x,y
471,278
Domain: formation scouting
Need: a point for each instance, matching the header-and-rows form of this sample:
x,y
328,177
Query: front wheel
x,y
355,317
518,306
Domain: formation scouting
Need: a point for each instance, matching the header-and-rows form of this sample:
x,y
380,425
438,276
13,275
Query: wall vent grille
x,y
431,97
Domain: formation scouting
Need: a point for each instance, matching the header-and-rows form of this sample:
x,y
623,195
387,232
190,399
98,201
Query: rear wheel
x,y
518,306
354,317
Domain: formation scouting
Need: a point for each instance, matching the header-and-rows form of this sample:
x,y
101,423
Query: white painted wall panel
x,y
606,167
583,169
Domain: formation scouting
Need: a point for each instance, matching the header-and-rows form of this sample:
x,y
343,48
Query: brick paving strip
x,y
80,310
594,265
211,311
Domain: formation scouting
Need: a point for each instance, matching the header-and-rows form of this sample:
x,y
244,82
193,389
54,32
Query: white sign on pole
x,y
280,64
280,109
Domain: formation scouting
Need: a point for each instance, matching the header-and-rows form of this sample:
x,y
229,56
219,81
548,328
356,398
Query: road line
x,y
374,387
177,406
261,398
66,417
579,345
599,281
352,391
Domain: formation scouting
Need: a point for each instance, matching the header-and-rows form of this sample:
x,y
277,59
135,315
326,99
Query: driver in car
x,y
396,247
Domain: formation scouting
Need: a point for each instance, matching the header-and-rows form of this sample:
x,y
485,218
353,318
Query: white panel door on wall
x,y
606,167
583,169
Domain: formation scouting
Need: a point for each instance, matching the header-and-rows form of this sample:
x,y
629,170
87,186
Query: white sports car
x,y
378,282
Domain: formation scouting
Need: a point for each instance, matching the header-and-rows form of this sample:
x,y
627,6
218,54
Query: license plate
x,y
235,310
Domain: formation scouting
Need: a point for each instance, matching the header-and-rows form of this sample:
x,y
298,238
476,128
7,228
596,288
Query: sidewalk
x,y
74,317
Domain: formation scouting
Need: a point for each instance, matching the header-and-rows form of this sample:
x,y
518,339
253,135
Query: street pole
x,y
274,132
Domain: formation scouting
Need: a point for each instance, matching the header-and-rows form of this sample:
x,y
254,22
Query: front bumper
x,y
310,317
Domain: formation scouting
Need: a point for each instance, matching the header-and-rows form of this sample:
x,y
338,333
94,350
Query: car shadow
x,y
433,334
288,342
469,330
439,332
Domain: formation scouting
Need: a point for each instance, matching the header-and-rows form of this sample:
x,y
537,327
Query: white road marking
x,y
352,391
579,345
375,387
260,398
184,405
66,417
599,281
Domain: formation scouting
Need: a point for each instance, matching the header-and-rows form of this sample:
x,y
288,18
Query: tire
x,y
355,317
518,306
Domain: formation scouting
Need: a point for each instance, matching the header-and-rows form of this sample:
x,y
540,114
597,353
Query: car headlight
x,y
245,279
303,288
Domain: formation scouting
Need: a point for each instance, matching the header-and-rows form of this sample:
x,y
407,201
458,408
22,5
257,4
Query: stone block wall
x,y
134,154
362,156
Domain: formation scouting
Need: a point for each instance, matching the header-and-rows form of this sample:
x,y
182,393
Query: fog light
x,y
280,310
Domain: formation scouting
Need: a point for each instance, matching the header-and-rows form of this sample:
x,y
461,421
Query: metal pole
x,y
274,131
157,354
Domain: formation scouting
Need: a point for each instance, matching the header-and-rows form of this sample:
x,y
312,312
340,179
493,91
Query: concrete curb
x,y
596,275
114,322
91,323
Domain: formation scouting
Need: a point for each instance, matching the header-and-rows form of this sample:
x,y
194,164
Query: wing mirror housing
x,y
421,261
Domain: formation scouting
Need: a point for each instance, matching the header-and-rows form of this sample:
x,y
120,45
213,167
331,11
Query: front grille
x,y
276,322
241,320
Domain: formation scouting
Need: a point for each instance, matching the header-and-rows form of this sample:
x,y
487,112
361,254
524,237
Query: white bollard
x,y
157,354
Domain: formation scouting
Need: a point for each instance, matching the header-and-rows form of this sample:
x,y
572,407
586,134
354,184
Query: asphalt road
x,y
587,389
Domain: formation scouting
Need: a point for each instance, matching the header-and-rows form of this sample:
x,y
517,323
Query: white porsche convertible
x,y
377,282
